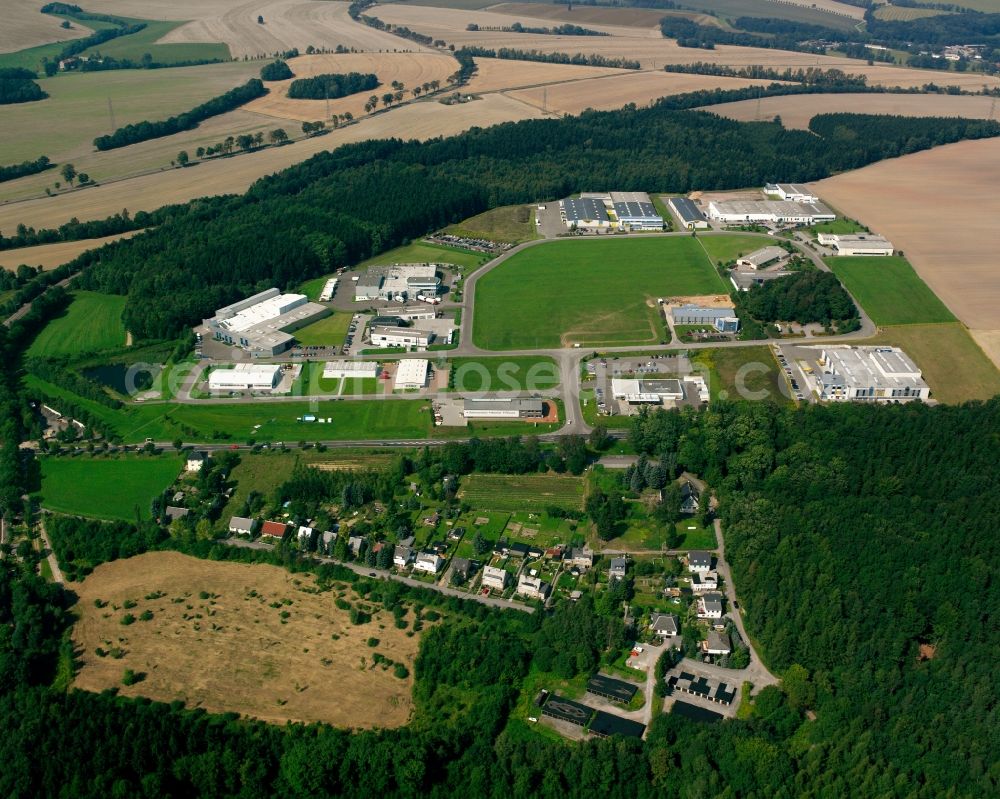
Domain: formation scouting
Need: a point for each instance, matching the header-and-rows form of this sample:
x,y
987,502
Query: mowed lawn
x,y
889,290
502,492
729,248
92,322
106,488
329,331
588,292
503,374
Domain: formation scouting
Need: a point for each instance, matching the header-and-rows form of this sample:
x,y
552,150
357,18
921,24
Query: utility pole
x,y
111,114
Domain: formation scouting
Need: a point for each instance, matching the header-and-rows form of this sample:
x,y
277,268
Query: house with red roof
x,y
273,530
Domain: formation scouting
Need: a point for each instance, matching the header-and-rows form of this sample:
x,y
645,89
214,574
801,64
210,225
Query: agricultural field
x,y
500,75
889,290
51,256
92,322
106,488
510,223
24,26
328,331
900,14
34,129
949,243
148,40
953,364
501,492
796,111
503,374
240,638
606,290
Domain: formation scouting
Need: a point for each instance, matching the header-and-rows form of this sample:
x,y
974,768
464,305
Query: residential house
x,y
428,562
554,553
699,560
617,569
354,543
275,530
194,462
494,577
462,567
581,557
535,552
402,556
305,536
704,581
517,550
433,520
716,643
173,512
690,498
710,606
664,624
240,525
328,542
532,587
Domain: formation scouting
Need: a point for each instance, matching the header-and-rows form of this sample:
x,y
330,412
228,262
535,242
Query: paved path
x,y
382,574
57,575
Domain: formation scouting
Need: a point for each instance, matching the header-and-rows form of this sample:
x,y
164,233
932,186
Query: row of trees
x,y
143,131
15,171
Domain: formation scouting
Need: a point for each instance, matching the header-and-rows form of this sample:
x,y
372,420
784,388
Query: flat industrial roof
x,y
686,210
490,403
635,210
412,370
410,332
764,255
781,208
584,210
567,710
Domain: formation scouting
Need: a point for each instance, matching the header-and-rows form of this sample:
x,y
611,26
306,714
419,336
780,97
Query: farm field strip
x,y
50,256
24,26
520,492
241,638
796,110
890,291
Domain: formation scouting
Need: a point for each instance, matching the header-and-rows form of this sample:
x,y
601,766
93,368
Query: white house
x,y
428,562
402,556
664,624
702,582
240,525
699,560
194,462
532,587
710,606
581,557
494,577
304,535
716,643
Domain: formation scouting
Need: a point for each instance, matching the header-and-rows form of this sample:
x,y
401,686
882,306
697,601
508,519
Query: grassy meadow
x,y
889,290
92,322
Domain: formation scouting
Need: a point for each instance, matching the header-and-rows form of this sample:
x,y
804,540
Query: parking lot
x,y
793,362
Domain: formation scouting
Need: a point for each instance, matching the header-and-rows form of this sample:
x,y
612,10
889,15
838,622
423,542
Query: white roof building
x,y
762,257
337,369
532,587
868,374
857,244
428,562
245,377
795,192
769,211
412,373
400,337
398,282
495,577
260,324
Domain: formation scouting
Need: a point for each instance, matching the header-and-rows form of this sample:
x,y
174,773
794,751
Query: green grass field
x,y
510,493
890,290
361,385
92,322
588,291
332,331
837,226
729,248
504,374
134,47
511,223
418,252
742,373
106,488
33,129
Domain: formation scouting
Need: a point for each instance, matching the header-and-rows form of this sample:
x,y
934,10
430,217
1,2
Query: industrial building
x,y
868,374
689,215
791,191
513,408
857,244
411,373
398,282
585,214
262,324
245,377
758,259
646,392
334,370
774,212
744,281
634,210
618,210
400,337
720,316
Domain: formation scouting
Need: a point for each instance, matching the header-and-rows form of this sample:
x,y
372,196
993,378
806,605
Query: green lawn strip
x,y
591,292
92,322
523,373
361,385
106,488
135,46
840,226
330,331
889,290
729,248
592,417
694,536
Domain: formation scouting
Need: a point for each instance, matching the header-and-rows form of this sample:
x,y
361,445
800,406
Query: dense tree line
x,y
969,27
276,70
332,85
567,29
810,76
579,59
143,131
82,544
15,171
805,297
341,207
18,86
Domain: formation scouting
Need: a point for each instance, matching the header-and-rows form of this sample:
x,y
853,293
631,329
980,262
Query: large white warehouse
x,y
261,324
775,212
245,377
868,374
857,244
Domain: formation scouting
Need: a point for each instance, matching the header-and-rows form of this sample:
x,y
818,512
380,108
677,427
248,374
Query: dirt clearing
x,y
410,69
940,207
634,87
233,637
49,256
796,110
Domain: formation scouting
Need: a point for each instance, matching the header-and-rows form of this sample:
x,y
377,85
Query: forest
x,y
145,130
331,86
805,297
18,86
340,207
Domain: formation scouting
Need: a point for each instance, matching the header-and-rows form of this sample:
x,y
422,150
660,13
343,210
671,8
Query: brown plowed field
x,y
233,651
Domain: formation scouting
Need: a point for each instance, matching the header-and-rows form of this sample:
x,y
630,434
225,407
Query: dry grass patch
x,y
50,256
796,110
234,637
494,74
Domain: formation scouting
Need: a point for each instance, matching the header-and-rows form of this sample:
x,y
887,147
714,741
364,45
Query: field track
x,y
942,215
796,110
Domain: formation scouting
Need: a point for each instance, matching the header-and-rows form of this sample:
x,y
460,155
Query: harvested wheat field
x,y
287,24
843,9
612,92
49,256
493,74
940,207
796,110
588,16
233,637
410,69
423,120
23,26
